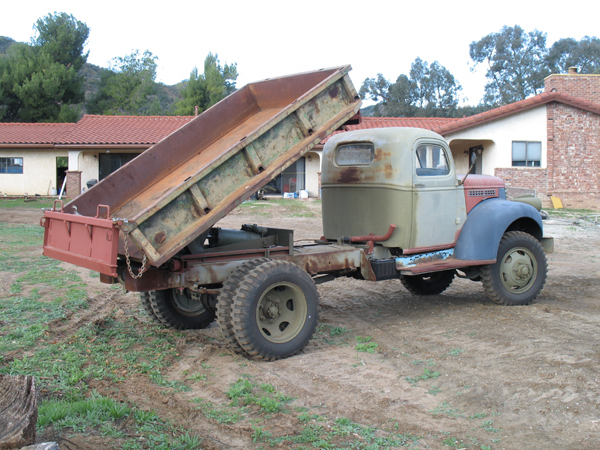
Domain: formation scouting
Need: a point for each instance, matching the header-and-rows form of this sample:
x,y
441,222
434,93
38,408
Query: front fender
x,y
486,224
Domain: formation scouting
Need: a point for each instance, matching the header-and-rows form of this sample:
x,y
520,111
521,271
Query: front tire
x,y
520,270
429,284
275,310
180,309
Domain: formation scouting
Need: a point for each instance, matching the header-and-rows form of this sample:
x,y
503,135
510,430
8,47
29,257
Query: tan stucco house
x,y
549,143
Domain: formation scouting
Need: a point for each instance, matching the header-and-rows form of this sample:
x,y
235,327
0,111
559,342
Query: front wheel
x,y
520,270
275,310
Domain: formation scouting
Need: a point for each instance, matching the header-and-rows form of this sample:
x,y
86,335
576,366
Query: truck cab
x,y
439,223
402,176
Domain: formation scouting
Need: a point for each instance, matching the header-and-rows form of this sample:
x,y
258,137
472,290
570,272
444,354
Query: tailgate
x,y
90,242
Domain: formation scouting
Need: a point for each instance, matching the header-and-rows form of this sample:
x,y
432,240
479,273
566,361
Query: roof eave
x,y
3,145
104,146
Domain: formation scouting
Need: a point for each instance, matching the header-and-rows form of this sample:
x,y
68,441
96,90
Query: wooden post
x,y
18,411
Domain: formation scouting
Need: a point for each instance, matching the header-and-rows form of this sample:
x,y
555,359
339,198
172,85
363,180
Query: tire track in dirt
x,y
100,307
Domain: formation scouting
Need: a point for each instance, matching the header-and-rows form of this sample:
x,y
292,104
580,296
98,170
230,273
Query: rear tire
x,y
145,301
225,301
182,310
428,284
275,310
520,270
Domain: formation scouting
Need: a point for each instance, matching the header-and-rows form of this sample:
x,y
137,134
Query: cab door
x,y
435,204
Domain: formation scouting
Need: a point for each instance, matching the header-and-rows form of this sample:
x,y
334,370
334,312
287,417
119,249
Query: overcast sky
x,y
273,38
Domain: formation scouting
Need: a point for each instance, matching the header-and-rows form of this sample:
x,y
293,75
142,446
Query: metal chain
x,y
128,261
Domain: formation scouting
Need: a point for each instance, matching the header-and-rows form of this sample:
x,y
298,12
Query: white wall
x,y
39,171
312,167
528,125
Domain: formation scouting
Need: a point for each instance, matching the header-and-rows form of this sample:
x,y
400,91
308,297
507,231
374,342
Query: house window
x,y
109,162
11,165
526,154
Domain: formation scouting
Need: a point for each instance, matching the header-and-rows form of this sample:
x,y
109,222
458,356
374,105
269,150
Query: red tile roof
x,y
523,105
32,133
122,130
428,123
93,130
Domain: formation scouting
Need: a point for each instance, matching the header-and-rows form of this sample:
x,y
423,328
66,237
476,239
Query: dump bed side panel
x,y
210,193
174,191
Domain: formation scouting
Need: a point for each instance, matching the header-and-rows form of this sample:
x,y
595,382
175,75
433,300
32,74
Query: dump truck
x,y
393,208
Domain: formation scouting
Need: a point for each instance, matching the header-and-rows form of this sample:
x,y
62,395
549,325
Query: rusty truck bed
x,y
179,188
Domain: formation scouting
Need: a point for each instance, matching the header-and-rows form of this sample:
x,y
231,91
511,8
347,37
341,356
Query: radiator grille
x,y
482,193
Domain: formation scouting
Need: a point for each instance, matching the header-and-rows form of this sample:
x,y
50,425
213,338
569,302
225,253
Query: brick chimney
x,y
583,86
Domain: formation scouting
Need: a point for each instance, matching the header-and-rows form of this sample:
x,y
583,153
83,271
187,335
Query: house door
x,y
62,164
478,151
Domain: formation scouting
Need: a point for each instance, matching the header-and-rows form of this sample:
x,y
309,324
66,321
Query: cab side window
x,y
431,161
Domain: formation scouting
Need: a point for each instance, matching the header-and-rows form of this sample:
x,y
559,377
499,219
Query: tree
x,y
63,38
431,91
565,53
204,90
5,43
41,82
128,87
516,64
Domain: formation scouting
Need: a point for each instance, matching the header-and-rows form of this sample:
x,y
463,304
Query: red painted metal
x,y
371,239
480,187
90,242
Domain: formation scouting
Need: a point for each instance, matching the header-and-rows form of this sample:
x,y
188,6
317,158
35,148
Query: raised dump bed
x,y
179,188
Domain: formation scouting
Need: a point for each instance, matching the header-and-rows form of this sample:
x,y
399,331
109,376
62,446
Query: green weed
x,y
455,352
488,426
446,409
365,345
427,374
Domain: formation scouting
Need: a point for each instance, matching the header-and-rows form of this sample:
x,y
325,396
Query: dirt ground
x,y
509,377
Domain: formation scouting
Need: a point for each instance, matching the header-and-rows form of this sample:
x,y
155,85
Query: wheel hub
x,y
272,311
281,312
188,302
518,270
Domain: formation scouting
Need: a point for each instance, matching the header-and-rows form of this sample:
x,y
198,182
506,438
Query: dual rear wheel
x,y
266,309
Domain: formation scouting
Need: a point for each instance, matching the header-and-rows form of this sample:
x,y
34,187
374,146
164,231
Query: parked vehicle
x,y
393,207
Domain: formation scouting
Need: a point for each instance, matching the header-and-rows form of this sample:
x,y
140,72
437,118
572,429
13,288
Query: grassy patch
x,y
291,207
22,203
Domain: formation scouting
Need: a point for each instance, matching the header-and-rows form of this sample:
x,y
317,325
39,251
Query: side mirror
x,y
473,161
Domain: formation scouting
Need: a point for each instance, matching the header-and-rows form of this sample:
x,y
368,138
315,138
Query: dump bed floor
x,y
194,165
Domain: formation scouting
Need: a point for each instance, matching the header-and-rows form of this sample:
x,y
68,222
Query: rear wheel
x,y
225,301
275,310
145,301
520,270
428,284
180,309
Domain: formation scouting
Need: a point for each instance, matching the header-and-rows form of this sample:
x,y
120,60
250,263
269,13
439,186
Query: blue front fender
x,y
488,221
